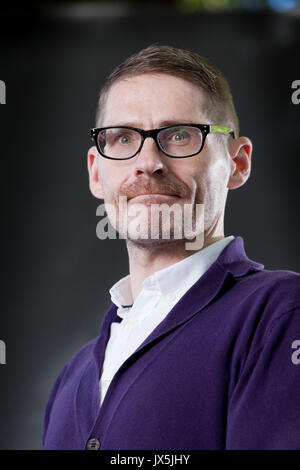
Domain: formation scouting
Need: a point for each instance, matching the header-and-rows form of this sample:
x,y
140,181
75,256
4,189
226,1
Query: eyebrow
x,y
163,123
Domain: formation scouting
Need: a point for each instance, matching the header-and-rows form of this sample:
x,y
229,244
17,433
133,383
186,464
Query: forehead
x,y
151,99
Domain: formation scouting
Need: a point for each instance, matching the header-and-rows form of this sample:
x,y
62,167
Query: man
x,y
199,349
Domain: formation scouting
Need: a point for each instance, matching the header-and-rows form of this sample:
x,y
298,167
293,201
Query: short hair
x,y
184,64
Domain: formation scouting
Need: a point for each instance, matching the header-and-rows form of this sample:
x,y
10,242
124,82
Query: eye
x,y
124,139
179,136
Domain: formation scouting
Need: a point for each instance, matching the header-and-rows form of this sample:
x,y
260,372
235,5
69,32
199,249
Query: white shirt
x,y
160,292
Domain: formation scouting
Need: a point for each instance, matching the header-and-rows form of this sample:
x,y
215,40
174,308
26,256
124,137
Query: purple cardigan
x,y
221,371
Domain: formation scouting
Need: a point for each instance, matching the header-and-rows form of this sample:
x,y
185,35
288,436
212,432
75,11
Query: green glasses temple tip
x,y
221,129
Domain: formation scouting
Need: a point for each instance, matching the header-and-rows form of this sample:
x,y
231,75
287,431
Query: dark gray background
x,y
55,272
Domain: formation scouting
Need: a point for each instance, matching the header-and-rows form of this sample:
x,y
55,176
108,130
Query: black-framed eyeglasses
x,y
176,141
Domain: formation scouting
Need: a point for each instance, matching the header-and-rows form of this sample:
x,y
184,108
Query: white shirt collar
x,y
120,292
178,277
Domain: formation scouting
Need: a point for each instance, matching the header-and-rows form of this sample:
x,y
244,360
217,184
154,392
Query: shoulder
x,y
275,290
77,363
72,371
261,306
281,278
271,309
60,399
68,379
82,360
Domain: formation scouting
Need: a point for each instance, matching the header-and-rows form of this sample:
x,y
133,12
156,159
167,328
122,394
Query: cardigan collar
x,y
231,263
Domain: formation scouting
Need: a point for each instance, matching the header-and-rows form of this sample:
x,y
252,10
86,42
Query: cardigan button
x,y
93,444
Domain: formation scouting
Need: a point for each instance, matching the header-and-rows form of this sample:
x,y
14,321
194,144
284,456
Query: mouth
x,y
147,196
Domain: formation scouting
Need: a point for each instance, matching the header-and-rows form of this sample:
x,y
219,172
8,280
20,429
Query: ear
x,y
94,181
240,150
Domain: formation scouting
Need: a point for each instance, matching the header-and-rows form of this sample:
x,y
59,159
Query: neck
x,y
146,260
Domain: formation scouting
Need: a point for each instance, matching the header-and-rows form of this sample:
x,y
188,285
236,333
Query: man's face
x,y
151,101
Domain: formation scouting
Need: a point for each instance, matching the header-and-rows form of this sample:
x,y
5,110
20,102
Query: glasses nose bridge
x,y
150,133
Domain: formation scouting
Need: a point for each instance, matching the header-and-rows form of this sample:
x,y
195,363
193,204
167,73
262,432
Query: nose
x,y
150,159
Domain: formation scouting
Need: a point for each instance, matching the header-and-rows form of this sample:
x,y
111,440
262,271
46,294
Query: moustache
x,y
168,188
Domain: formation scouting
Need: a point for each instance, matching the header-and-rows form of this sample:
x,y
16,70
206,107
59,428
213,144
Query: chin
x,y
145,239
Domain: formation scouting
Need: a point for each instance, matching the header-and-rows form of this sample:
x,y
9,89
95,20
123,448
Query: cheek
x,y
198,178
108,176
216,187
218,174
